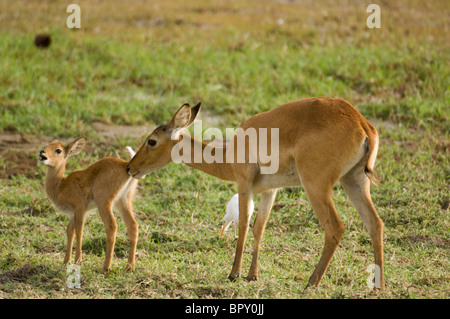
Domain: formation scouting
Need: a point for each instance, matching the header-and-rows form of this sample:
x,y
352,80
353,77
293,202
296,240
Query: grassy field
x,y
132,64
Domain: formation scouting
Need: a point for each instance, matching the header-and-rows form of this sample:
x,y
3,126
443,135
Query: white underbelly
x,y
286,178
69,209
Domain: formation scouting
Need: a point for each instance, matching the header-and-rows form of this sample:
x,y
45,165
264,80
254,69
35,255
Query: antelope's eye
x,y
58,151
151,142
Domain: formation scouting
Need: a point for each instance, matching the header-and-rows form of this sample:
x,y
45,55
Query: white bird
x,y
232,213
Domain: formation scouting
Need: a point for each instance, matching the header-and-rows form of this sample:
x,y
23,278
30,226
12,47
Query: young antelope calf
x,y
102,185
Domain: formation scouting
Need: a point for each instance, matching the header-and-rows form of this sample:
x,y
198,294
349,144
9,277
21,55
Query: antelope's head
x,y
157,148
55,153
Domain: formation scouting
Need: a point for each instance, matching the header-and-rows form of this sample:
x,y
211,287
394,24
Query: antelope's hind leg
x,y
357,186
319,188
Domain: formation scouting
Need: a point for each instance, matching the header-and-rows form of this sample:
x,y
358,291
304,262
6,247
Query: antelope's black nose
x,y
128,169
42,157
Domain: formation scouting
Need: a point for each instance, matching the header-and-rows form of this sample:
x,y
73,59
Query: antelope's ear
x,y
181,118
194,112
75,147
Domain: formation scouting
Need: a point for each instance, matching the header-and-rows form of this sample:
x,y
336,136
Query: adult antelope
x,y
321,141
105,184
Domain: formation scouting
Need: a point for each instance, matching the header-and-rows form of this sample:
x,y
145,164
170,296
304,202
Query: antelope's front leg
x,y
70,238
244,208
265,207
78,224
107,216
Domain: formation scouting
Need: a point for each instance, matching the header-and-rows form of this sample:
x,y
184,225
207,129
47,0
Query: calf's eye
x,y
151,142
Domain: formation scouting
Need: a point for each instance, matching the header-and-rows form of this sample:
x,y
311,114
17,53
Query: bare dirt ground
x,y
18,154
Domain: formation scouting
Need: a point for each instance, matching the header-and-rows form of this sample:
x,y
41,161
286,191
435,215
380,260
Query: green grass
x,y
104,80
245,64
